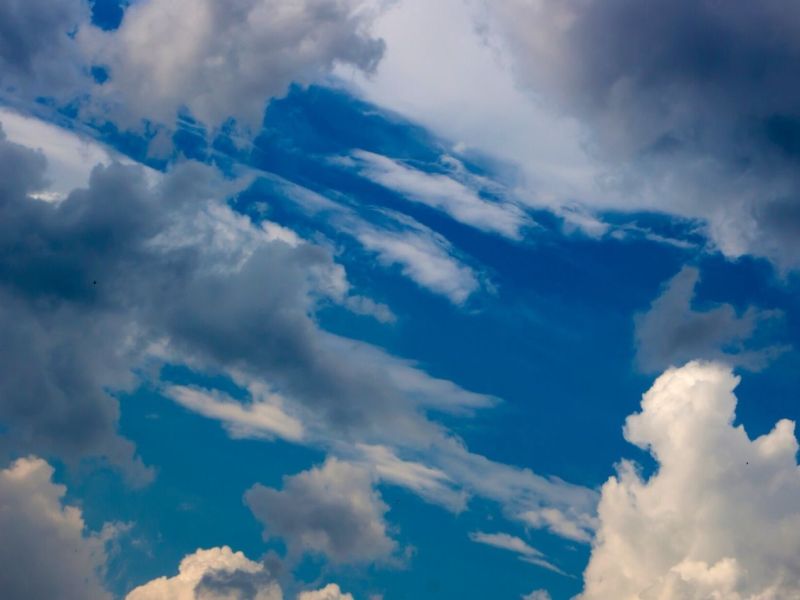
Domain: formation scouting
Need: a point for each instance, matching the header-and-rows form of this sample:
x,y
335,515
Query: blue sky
x,y
342,299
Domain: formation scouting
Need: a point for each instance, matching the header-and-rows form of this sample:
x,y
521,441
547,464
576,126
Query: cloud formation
x,y
525,551
47,551
719,517
212,574
332,510
672,332
224,60
692,107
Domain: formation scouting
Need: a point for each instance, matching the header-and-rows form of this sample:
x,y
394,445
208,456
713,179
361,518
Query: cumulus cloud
x,y
332,510
38,54
47,551
693,112
213,574
423,256
672,332
719,517
525,551
225,59
329,592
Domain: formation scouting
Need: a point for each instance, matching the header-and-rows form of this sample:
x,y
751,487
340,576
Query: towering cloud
x,y
46,551
718,519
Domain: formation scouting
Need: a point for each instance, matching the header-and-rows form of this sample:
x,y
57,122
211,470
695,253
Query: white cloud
x,y
226,59
444,192
718,519
263,417
518,546
537,595
579,529
331,510
329,592
213,574
46,551
432,484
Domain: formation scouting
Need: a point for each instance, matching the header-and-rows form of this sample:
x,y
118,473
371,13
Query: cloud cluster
x,y
672,332
692,107
224,60
718,519
46,550
332,510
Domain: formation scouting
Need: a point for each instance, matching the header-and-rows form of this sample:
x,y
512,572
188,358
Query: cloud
x,y
329,592
223,60
424,256
264,417
693,113
671,332
443,191
504,541
38,56
537,595
212,574
332,510
719,516
46,550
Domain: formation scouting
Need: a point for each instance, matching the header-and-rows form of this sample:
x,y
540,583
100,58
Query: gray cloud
x,y
37,53
693,106
331,510
672,332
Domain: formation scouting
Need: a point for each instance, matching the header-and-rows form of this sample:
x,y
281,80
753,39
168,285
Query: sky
x,y
394,299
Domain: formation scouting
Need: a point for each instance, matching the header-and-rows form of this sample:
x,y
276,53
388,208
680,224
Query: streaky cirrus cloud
x,y
525,551
718,518
690,108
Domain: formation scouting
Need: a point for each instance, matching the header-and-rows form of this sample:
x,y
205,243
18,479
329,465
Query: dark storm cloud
x,y
694,105
672,332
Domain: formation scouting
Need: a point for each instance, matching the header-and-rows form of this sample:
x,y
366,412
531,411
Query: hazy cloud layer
x,y
719,518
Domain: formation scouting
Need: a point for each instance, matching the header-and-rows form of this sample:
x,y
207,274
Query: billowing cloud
x,y
38,54
672,332
213,574
225,59
443,191
329,592
693,111
47,551
719,518
332,510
